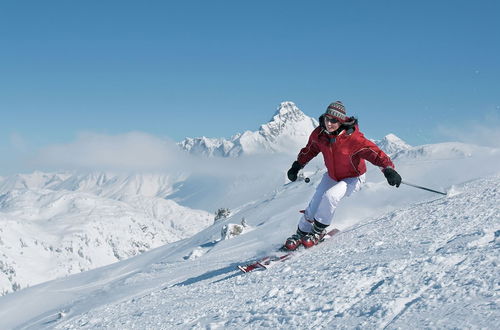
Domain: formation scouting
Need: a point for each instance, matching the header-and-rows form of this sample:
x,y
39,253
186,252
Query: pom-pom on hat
x,y
336,110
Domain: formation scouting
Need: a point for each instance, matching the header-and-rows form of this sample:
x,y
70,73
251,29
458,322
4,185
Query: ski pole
x,y
420,187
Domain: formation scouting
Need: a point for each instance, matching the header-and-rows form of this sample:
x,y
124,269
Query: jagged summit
x,y
286,112
287,131
392,144
285,117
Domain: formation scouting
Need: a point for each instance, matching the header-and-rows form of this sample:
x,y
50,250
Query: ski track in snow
x,y
430,265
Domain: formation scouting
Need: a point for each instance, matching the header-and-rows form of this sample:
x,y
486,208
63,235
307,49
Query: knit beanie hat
x,y
336,110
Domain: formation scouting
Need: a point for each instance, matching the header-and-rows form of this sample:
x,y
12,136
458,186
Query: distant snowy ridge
x,y
445,150
287,131
53,225
104,184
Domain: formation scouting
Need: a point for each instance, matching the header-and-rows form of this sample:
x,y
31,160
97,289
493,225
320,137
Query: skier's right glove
x,y
393,177
294,170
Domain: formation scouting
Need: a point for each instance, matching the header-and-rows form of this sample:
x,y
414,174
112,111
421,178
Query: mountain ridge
x,y
288,128
286,132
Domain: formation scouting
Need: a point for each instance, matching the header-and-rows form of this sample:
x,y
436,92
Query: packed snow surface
x,y
430,264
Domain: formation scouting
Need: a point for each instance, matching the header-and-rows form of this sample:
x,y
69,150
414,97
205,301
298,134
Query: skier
x,y
344,150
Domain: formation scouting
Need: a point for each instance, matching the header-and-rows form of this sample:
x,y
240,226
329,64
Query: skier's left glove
x,y
294,171
393,177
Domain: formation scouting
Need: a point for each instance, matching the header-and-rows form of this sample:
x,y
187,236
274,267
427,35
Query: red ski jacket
x,y
344,154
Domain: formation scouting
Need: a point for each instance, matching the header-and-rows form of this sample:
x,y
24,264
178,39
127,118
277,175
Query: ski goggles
x,y
332,120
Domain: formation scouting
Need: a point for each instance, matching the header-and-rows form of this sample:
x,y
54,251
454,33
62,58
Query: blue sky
x,y
214,68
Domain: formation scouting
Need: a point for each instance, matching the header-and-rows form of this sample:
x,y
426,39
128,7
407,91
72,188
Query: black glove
x,y
294,170
393,177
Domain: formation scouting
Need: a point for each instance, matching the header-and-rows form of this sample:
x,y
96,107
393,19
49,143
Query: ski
x,y
280,256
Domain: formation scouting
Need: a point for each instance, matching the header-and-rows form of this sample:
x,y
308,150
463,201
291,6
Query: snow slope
x,y
55,224
404,258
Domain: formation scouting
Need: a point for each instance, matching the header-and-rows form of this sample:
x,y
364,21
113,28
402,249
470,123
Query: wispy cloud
x,y
138,151
94,151
480,131
18,142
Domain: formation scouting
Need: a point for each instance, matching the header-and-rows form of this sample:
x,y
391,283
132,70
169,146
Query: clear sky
x,y
215,68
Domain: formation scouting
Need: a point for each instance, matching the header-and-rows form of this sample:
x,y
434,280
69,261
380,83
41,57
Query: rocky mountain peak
x,y
287,111
392,144
287,131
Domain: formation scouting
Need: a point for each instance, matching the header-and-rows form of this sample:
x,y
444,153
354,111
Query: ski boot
x,y
312,239
294,241
315,236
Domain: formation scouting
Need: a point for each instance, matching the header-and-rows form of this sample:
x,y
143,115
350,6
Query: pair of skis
x,y
271,260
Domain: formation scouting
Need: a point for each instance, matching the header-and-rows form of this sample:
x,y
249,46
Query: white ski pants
x,y
326,198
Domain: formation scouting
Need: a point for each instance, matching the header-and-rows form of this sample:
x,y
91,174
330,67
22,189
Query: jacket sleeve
x,y
372,153
310,151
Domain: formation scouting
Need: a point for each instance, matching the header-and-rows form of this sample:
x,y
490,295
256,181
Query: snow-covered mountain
x,y
53,225
104,184
392,144
442,151
404,258
287,132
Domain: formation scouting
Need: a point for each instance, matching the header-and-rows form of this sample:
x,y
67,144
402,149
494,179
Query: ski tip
x,y
252,266
242,269
330,233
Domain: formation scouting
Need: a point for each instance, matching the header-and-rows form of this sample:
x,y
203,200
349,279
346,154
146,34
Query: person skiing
x,y
344,150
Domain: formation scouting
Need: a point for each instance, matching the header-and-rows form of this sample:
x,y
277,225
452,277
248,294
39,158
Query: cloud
x,y
18,142
134,151
483,131
140,152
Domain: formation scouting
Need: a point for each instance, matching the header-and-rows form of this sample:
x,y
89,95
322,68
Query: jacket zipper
x,y
333,156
